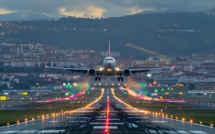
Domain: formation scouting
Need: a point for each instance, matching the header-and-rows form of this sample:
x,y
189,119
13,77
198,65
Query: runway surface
x,y
107,115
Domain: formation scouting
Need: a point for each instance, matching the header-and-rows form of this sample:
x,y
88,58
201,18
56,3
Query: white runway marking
x,y
153,131
157,121
198,132
108,119
77,117
10,132
50,131
137,117
28,131
182,132
112,123
53,121
103,127
79,121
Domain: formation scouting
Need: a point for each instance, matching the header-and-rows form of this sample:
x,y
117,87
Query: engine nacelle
x,y
92,72
126,72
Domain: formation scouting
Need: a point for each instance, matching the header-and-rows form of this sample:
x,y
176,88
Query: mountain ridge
x,y
164,33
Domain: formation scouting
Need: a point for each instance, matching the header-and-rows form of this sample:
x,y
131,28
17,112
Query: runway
x,y
107,115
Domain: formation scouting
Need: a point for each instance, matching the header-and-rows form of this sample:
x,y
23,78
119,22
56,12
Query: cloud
x,y
101,8
6,11
136,9
88,11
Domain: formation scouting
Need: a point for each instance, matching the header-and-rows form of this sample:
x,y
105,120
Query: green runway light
x,y
68,86
145,92
156,90
143,85
162,89
88,86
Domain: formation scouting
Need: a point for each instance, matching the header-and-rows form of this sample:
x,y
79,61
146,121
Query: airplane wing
x,y
129,71
79,70
140,70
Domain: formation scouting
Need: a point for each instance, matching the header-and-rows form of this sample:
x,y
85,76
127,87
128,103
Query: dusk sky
x,y
100,8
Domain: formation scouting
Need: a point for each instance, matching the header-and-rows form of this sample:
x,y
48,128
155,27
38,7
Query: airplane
x,y
109,69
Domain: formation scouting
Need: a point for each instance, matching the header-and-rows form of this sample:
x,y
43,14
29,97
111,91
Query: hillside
x,y
164,33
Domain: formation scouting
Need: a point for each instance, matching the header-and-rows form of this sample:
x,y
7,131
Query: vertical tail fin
x,y
109,49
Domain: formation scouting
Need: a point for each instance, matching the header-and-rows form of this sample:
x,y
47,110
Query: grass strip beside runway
x,y
12,116
192,113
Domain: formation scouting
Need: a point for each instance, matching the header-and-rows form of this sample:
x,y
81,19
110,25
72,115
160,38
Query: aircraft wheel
x,y
118,78
121,78
99,78
96,78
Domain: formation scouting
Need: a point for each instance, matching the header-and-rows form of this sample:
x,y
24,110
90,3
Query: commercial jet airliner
x,y
109,69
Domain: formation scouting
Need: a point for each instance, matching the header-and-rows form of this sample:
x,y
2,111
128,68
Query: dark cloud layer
x,y
101,8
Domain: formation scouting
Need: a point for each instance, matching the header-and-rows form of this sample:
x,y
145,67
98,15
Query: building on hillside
x,y
205,86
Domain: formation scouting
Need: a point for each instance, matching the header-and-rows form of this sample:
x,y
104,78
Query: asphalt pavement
x,y
107,115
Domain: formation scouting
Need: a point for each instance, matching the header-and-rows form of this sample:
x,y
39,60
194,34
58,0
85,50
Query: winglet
x,y
109,49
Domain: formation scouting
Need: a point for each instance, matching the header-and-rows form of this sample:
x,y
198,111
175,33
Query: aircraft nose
x,y
109,64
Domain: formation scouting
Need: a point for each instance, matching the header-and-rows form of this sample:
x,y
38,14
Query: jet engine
x,y
92,72
126,72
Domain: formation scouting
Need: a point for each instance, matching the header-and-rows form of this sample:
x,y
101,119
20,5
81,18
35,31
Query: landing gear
x,y
120,78
97,78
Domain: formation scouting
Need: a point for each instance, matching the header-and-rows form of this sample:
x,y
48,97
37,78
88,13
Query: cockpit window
x,y
108,59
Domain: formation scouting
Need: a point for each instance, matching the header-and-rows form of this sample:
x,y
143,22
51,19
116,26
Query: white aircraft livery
x,y
109,69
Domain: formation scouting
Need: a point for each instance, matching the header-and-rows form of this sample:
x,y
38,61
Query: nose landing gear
x,y
120,78
97,78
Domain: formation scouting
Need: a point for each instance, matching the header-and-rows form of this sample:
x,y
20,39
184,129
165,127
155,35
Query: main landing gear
x,y
120,78
97,78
